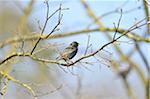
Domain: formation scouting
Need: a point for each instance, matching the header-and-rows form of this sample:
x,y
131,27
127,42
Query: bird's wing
x,y
67,51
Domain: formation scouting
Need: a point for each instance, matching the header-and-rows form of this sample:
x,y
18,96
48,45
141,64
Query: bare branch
x,y
45,24
147,67
10,78
117,25
135,26
146,9
17,39
47,93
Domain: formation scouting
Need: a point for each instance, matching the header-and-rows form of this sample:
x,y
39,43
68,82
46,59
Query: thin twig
x,y
17,39
87,46
135,26
47,93
118,25
45,24
58,23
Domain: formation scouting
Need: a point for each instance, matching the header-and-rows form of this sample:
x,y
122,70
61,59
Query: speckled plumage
x,y
69,52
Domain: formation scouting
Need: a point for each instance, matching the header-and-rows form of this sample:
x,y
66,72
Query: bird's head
x,y
74,44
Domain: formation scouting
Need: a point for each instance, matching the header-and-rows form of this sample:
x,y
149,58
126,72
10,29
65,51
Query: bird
x,y
69,52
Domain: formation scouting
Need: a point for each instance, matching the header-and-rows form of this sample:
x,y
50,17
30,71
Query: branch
x,y
118,25
17,39
147,67
135,26
4,88
8,77
27,55
146,9
45,24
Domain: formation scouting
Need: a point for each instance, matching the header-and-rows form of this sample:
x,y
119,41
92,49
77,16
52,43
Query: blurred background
x,y
119,71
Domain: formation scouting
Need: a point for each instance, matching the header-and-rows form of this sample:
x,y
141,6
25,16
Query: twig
x,y
101,62
17,39
92,54
87,46
135,26
4,88
116,11
45,24
146,9
59,19
18,82
147,2
58,88
118,25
